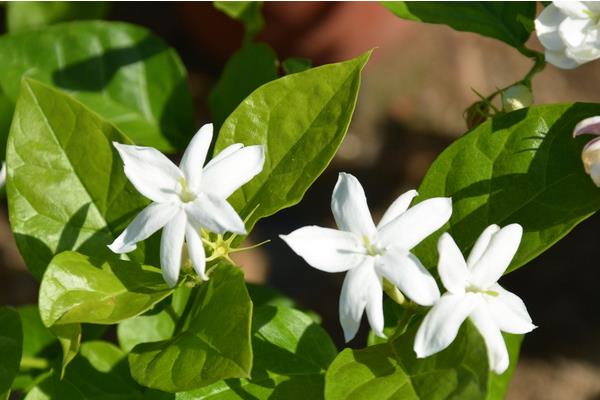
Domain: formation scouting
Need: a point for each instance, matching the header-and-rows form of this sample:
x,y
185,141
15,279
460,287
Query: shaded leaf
x,y
247,12
27,15
301,119
291,355
122,72
523,167
11,345
77,289
293,65
65,182
69,336
214,344
510,22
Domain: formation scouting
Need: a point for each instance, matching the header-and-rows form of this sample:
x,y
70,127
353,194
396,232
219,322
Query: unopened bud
x,y
477,113
516,97
590,155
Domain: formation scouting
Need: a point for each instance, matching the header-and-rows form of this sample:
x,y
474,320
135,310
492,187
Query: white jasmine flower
x,y
370,253
3,174
516,97
590,155
473,292
569,32
186,198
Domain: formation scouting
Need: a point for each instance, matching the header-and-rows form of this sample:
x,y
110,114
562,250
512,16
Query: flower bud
x,y
477,113
516,97
590,155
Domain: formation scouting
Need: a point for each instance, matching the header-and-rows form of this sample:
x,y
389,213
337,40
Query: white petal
x,y
3,174
509,311
587,126
441,324
171,245
214,214
148,221
498,255
399,206
228,173
326,249
451,265
595,174
232,148
593,6
560,59
481,244
573,9
583,54
349,207
196,250
358,291
152,174
573,32
494,342
546,27
195,155
418,222
375,304
406,272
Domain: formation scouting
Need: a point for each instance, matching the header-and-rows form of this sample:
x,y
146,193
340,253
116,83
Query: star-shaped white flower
x,y
370,253
590,155
186,198
473,292
569,32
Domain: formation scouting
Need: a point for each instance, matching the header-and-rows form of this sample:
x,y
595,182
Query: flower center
x,y
185,194
372,248
475,289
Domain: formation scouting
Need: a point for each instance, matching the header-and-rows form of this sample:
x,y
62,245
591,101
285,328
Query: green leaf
x,y
523,167
11,345
122,72
510,22
296,64
36,337
301,119
69,336
65,182
392,371
145,328
247,12
27,15
214,345
99,373
77,289
291,355
250,67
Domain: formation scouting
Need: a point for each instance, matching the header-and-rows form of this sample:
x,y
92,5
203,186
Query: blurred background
x,y
414,92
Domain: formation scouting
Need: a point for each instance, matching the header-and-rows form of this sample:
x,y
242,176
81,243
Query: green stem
x,y
34,363
171,312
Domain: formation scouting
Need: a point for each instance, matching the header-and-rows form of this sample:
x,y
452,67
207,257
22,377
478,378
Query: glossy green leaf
x,y
214,344
524,167
11,345
291,355
250,67
392,371
69,336
301,119
77,289
65,182
510,22
247,12
122,72
27,15
143,329
99,373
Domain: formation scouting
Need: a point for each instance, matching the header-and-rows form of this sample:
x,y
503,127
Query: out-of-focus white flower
x,y
186,198
569,32
3,174
371,253
590,155
473,292
516,97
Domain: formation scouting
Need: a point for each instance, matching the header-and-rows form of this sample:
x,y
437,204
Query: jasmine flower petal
x,y
196,251
399,206
195,155
494,342
171,245
215,214
451,265
349,207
